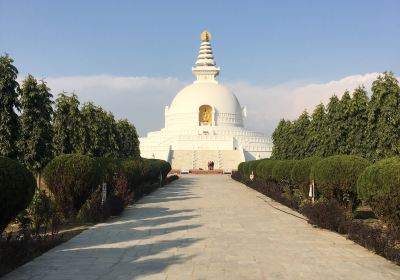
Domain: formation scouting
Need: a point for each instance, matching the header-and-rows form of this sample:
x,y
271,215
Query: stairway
x,y
198,159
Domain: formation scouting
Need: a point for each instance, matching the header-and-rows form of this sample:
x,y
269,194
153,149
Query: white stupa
x,y
205,122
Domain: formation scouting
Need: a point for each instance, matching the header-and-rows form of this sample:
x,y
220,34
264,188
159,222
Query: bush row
x,y
339,180
346,179
74,182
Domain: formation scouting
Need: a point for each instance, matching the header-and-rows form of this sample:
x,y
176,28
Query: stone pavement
x,y
207,227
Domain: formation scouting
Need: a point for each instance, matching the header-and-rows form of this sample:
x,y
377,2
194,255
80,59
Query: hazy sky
x,y
131,57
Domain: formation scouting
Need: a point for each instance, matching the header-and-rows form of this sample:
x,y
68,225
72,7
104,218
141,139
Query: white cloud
x,y
142,99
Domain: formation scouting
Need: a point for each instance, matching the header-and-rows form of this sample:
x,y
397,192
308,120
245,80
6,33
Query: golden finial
x,y
205,36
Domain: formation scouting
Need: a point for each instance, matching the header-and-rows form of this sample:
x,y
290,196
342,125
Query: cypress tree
x,y
344,124
300,136
384,117
35,143
127,140
281,140
333,130
66,124
358,120
97,132
9,91
317,132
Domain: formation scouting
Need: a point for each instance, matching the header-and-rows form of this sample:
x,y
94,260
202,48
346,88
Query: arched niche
x,y
205,115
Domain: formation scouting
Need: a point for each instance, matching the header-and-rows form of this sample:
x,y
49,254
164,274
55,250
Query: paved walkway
x,y
207,227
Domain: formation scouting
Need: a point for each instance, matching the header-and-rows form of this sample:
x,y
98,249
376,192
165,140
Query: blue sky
x,y
260,43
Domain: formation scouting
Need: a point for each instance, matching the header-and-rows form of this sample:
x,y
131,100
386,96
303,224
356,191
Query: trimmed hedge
x,y
300,175
379,186
264,169
282,170
72,178
17,187
245,168
336,177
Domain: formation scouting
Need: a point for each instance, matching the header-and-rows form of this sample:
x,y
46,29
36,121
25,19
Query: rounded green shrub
x,y
336,177
138,172
379,186
281,172
300,175
108,169
251,166
132,170
17,186
241,168
264,169
71,179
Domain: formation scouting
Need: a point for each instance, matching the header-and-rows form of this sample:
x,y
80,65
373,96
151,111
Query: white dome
x,y
205,102
190,98
185,108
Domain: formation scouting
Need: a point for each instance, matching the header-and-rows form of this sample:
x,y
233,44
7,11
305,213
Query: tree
x,y
281,140
9,91
334,134
358,119
317,132
97,132
35,143
344,124
127,140
384,117
299,132
66,124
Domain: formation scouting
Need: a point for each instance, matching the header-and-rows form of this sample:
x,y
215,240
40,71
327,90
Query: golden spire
x,y
205,36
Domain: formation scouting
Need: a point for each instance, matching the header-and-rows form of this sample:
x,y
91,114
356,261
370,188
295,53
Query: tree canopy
x,y
9,104
35,143
350,125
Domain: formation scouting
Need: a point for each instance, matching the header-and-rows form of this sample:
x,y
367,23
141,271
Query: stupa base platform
x,y
200,171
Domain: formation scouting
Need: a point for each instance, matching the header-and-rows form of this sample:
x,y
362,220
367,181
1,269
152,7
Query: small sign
x,y
312,191
252,176
103,193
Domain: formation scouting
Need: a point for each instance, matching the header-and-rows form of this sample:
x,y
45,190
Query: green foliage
x,y
66,124
317,132
336,177
384,117
300,174
358,123
333,127
251,166
153,167
42,215
97,132
282,170
379,186
17,186
108,169
35,142
92,210
291,138
241,168
71,179
352,125
127,140
132,170
344,125
264,169
281,139
9,91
